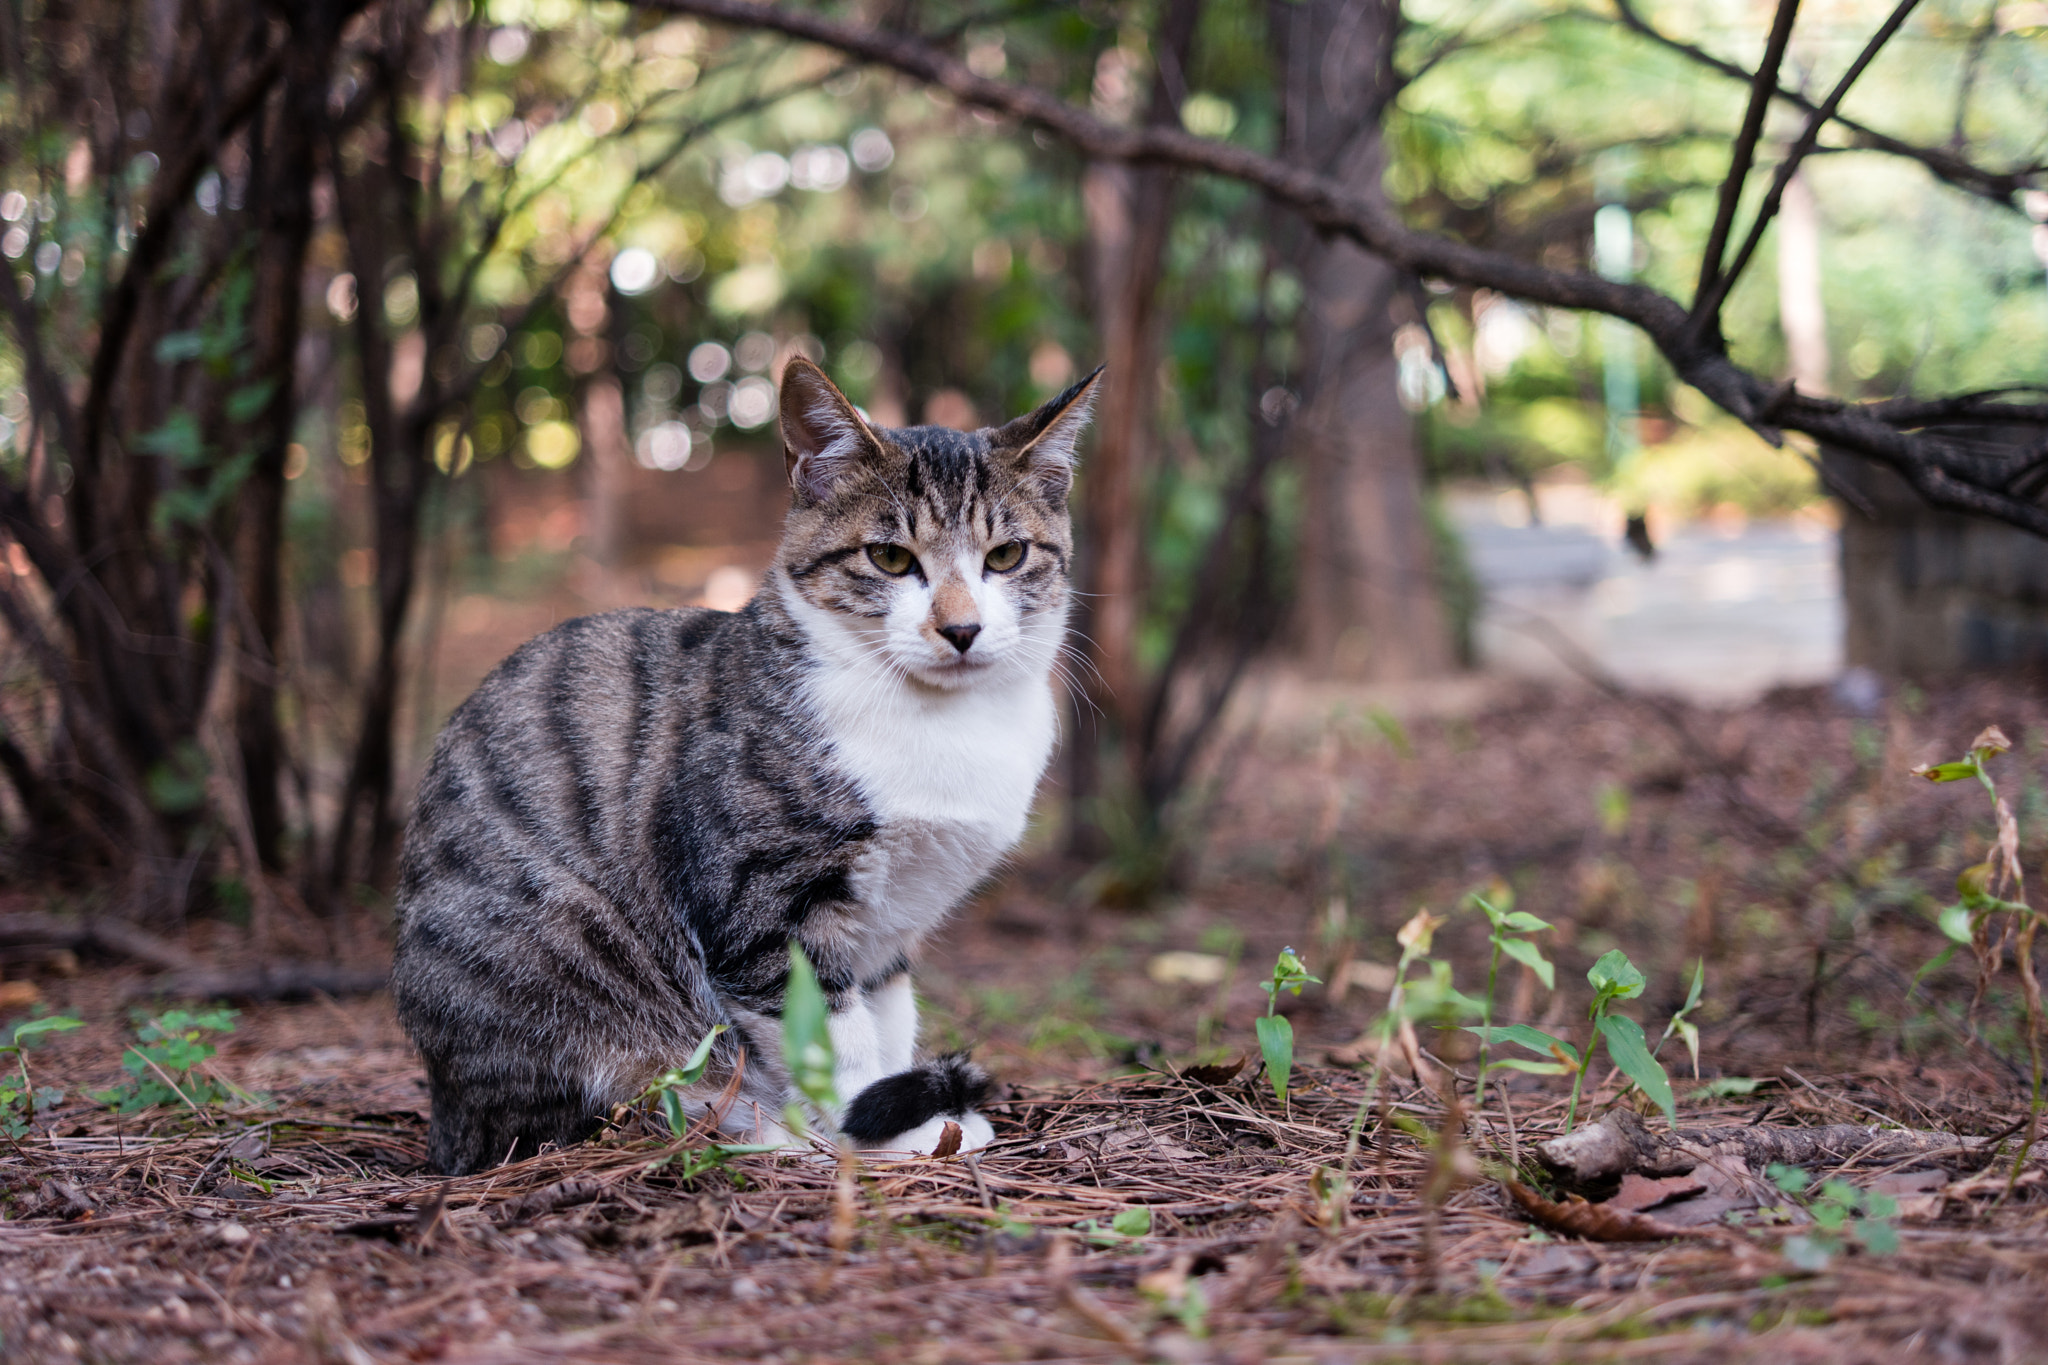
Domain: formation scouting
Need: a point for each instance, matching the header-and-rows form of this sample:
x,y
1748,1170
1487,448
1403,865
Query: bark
x,y
292,160
1367,587
608,467
1129,212
1619,1144
1940,470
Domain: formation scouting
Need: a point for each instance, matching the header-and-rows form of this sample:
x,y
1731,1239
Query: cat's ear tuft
x,y
823,436
1043,442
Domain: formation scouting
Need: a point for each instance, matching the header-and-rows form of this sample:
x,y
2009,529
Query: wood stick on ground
x,y
1618,1144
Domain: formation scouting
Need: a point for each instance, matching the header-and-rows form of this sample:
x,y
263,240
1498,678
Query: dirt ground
x,y
1786,845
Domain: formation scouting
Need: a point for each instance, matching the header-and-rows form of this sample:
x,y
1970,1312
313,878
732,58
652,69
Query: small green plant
x,y
1276,1033
163,1062
1507,925
666,1095
1128,1225
1842,1214
1430,998
807,1041
1614,979
666,1091
21,1101
1684,1027
1993,887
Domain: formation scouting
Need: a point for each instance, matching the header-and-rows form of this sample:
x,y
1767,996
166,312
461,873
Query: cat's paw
x,y
908,1112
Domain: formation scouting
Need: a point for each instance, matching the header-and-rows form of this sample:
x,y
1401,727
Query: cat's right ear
x,y
823,437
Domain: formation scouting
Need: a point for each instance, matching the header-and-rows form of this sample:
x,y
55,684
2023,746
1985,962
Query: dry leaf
x,y
1218,1074
18,995
1595,1222
1992,738
949,1140
1640,1192
1369,976
1187,969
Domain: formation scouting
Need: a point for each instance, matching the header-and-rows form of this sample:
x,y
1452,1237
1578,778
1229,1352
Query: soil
x,y
1130,1208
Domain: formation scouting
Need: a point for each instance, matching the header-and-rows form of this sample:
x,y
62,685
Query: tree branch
x,y
1761,85
2000,187
1922,460
1708,304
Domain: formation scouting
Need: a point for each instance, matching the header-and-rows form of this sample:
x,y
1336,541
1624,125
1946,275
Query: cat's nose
x,y
960,637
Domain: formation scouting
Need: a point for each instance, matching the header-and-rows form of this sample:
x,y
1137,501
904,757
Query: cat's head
x,y
938,555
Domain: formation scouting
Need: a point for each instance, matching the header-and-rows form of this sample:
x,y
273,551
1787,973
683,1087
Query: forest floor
x,y
1132,1208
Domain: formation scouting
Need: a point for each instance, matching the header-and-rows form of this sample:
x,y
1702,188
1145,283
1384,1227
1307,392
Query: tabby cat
x,y
623,830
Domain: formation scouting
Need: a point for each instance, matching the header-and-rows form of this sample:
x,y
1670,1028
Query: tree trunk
x,y
1129,212
1801,312
1369,605
291,160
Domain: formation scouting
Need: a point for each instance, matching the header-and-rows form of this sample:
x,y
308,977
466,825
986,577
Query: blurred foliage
x,y
612,191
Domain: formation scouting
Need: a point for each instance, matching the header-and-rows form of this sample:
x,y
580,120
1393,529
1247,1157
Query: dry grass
x,y
160,1245
1784,843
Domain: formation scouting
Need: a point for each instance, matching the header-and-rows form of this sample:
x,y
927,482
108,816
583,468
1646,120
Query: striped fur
x,y
624,827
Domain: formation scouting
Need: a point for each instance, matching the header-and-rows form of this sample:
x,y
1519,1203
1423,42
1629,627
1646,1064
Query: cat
x,y
623,829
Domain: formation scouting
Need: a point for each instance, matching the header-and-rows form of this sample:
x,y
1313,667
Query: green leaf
x,y
178,440
1725,1087
54,1023
1631,1052
1690,1032
1878,1238
806,1038
177,346
1527,953
1135,1222
1534,1068
1955,923
1615,977
247,403
1947,772
1809,1253
1692,997
1522,922
1933,964
1790,1179
1535,1039
1276,1045
1435,999
692,1070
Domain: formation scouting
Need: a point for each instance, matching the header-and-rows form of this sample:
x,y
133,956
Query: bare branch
x,y
1934,470
1761,85
2001,187
1709,302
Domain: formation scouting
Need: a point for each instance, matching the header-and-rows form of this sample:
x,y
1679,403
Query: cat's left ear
x,y
1042,443
823,436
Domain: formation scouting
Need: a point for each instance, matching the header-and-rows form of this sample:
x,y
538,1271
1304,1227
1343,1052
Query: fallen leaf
x,y
18,995
949,1140
1640,1192
1218,1074
1369,976
1187,969
1596,1222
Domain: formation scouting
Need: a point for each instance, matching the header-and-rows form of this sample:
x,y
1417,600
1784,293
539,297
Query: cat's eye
x,y
893,560
1006,556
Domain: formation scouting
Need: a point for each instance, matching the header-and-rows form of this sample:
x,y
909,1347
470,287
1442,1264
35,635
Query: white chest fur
x,y
949,776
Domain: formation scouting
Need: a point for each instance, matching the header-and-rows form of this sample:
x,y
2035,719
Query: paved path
x,y
1719,616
